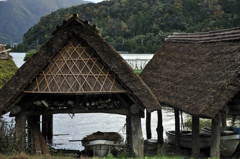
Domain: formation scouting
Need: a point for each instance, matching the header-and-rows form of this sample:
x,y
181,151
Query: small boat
x,y
102,143
229,139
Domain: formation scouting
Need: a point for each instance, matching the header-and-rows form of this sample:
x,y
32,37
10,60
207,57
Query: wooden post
x,y
195,137
20,127
38,143
160,127
215,137
137,137
129,133
47,127
148,125
177,129
44,127
50,127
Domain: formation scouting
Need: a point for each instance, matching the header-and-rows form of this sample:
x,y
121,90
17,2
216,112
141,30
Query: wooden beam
x,y
121,111
160,127
20,133
215,137
195,137
137,137
148,125
177,129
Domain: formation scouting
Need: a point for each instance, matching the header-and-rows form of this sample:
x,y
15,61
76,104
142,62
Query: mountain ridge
x,y
17,16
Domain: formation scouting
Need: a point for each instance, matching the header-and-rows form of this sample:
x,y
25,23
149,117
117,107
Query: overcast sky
x,y
96,1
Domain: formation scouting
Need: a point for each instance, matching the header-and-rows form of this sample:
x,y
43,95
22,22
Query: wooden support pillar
x,y
38,143
195,137
160,127
129,133
137,137
47,127
148,125
44,127
177,129
20,127
215,137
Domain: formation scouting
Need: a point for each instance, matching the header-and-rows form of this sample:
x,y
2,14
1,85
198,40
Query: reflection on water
x,y
83,124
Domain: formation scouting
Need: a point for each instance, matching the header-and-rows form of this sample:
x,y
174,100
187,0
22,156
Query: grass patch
x,y
7,69
138,71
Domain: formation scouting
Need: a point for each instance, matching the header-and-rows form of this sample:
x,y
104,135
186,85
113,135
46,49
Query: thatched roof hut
x,y
197,73
70,33
75,71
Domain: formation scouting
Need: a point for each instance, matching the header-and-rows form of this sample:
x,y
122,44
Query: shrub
x,y
28,55
7,137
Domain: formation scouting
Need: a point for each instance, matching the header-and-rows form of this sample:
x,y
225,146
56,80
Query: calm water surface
x,y
78,126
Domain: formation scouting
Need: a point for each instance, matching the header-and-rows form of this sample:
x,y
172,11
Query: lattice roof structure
x,y
76,60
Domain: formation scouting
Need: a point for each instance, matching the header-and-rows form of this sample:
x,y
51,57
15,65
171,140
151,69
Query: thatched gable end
x,y
76,60
197,73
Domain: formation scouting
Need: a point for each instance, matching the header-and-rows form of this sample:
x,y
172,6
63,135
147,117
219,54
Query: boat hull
x,y
228,143
102,143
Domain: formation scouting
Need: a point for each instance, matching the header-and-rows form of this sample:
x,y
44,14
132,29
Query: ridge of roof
x,y
77,27
211,36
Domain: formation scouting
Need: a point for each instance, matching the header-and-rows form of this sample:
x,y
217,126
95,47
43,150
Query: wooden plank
x,y
195,137
177,129
148,125
160,127
137,137
20,128
215,137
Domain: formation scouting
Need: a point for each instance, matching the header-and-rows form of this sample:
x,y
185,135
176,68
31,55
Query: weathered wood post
x,y
160,127
44,126
215,136
137,137
38,143
20,127
148,125
195,137
47,127
129,133
177,129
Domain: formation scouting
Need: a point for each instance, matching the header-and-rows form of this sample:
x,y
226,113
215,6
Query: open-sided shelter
x,y
198,73
75,71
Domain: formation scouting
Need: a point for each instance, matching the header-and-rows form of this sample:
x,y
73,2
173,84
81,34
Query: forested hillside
x,y
17,16
142,25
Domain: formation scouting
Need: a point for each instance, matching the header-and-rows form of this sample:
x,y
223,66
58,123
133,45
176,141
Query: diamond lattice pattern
x,y
75,69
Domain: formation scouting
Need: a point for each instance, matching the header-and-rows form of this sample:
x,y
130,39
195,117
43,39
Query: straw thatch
x,y
76,60
197,73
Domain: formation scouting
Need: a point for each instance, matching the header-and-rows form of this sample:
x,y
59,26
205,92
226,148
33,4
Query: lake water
x,y
78,126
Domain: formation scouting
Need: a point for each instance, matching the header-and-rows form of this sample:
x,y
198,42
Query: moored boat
x,y
229,139
102,143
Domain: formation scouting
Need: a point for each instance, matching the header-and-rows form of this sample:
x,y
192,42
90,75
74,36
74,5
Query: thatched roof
x,y
73,45
197,73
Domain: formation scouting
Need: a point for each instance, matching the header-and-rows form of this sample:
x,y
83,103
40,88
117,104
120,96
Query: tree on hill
x,y
142,25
